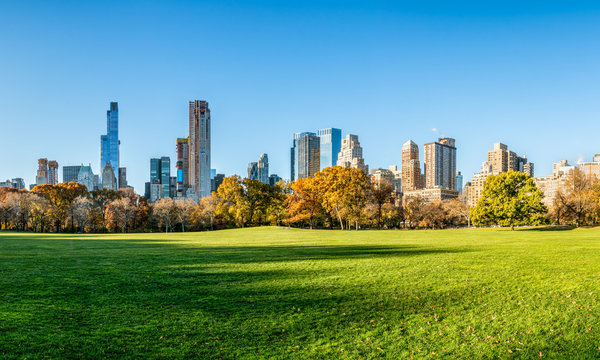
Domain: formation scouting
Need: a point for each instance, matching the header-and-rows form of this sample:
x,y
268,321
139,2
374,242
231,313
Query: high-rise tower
x,y
183,166
42,173
440,164
308,156
263,169
199,145
351,154
109,143
330,146
411,167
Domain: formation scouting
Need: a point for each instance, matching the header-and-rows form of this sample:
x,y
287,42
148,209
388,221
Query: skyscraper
x,y
42,173
411,167
330,146
459,182
253,170
294,154
122,178
182,166
165,176
199,145
52,172
109,180
263,169
70,173
109,143
351,154
86,177
308,156
440,164
502,160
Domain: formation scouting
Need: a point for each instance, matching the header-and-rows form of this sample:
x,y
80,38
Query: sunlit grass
x,y
284,293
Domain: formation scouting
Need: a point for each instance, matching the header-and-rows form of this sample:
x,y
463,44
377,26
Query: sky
x,y
525,73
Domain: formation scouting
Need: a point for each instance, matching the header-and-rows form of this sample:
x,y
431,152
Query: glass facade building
x,y
109,143
294,154
70,173
331,144
165,176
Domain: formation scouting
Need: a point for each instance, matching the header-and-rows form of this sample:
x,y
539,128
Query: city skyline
x,y
525,77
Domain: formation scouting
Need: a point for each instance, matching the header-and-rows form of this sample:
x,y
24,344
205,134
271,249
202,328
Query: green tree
x,y
509,199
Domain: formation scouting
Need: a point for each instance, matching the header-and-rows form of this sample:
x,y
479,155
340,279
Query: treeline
x,y
336,197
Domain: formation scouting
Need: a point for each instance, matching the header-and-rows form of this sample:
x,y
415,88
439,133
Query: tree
x,y
509,199
121,211
305,201
435,215
208,205
185,212
100,200
345,193
231,204
82,207
166,210
381,194
413,211
256,197
577,202
458,212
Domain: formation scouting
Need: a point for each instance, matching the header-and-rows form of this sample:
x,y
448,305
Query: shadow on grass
x,y
549,228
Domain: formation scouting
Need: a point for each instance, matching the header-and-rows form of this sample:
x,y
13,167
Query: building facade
x,y
440,164
87,178
411,167
263,169
294,154
42,173
109,180
165,176
122,178
52,172
253,170
182,167
199,147
71,173
109,143
274,179
309,157
351,154
330,144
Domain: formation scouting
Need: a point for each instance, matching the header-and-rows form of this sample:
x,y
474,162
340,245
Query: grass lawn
x,y
278,293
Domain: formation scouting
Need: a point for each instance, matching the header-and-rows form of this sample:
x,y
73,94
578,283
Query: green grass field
x,y
278,293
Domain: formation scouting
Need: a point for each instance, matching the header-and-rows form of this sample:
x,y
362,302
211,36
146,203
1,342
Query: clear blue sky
x,y
524,73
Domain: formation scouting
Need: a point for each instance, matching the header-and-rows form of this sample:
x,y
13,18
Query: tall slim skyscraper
x,y
199,145
351,154
294,154
52,172
459,182
109,143
182,166
440,164
42,173
263,169
308,156
165,176
253,170
411,167
122,178
330,146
